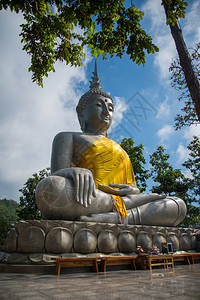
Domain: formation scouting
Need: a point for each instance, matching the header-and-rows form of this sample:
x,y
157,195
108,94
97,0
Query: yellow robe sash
x,y
109,164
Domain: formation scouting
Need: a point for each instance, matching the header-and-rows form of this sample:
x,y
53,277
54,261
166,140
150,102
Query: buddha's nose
x,y
106,110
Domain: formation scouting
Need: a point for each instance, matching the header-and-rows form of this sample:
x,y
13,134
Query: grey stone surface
x,y
18,258
126,242
115,284
173,238
42,258
59,240
85,241
30,239
158,239
83,238
4,256
11,243
185,242
194,241
144,240
107,241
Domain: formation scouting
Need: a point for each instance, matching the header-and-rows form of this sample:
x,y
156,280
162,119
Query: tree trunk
x,y
185,62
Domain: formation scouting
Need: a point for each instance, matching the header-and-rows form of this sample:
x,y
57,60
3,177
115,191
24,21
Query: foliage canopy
x,y
8,210
173,182
4,229
193,164
28,209
178,81
59,30
175,9
8,215
137,159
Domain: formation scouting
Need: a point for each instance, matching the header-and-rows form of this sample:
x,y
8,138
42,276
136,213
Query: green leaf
x,y
108,27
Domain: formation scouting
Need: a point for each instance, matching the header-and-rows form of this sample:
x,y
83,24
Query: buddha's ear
x,y
81,119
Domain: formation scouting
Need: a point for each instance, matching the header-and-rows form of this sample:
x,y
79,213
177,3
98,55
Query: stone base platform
x,y
27,269
37,242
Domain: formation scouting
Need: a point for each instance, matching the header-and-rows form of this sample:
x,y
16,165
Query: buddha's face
x,y
98,112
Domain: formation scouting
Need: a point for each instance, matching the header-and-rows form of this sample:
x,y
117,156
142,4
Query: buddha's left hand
x,y
122,189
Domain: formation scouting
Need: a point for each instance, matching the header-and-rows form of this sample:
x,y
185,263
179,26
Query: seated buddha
x,y
92,177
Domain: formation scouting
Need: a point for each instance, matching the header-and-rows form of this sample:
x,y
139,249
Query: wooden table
x,y
76,262
182,257
118,260
194,256
145,260
165,260
188,258
142,260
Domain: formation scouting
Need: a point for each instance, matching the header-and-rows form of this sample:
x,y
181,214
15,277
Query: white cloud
x,y
29,115
187,174
165,55
189,132
191,26
154,10
163,110
182,152
165,132
120,108
161,36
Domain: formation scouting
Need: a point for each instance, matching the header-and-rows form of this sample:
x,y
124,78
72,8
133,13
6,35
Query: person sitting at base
x,y
92,177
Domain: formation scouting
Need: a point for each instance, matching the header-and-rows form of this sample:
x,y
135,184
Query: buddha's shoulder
x,y
61,136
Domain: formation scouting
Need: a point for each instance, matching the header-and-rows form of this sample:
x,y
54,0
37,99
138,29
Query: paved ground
x,y
115,284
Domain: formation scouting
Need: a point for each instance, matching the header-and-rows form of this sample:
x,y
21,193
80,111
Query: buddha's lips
x,y
106,118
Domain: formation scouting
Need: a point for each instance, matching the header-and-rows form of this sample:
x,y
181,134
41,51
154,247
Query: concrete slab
x,y
114,284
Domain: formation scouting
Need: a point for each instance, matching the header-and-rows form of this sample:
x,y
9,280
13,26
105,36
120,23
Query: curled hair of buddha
x,y
95,88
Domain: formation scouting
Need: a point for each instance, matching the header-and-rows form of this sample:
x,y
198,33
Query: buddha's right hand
x,y
83,184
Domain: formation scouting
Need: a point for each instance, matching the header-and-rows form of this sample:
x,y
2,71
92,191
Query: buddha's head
x,y
95,107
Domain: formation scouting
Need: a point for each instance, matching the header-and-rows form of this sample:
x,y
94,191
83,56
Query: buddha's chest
x,y
80,144
97,151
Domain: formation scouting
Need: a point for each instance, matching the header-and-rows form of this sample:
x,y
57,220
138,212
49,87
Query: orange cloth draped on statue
x,y
109,164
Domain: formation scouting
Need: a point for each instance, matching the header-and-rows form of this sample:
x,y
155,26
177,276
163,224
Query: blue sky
x,y
145,104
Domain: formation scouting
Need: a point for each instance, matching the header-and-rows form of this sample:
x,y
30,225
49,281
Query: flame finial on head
x,y
95,83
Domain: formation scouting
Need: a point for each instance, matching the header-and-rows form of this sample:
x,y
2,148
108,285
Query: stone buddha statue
x,y
92,177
